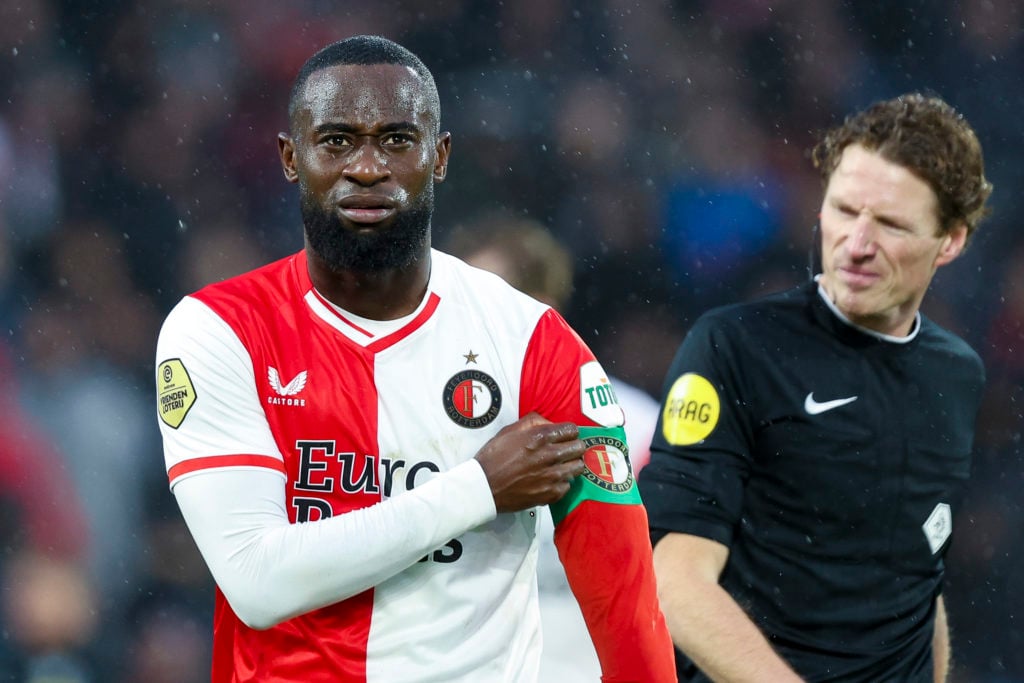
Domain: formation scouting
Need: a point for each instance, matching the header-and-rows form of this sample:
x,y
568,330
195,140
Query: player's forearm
x,y
713,631
271,570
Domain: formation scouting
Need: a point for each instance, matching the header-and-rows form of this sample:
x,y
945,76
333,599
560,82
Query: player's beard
x,y
370,251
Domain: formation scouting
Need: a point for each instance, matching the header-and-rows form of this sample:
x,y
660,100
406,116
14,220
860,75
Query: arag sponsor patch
x,y
175,393
691,410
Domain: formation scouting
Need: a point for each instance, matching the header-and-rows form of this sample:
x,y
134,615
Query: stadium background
x,y
665,142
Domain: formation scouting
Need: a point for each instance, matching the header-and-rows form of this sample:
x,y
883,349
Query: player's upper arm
x,y
562,380
207,402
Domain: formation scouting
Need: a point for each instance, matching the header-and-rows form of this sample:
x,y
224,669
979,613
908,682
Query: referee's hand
x,y
531,462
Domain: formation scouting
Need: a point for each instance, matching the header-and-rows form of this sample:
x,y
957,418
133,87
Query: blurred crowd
x,y
665,142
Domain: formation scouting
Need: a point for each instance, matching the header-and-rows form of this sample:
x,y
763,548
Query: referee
x,y
813,445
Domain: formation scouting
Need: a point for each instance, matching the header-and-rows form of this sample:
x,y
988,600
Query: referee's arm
x,y
704,620
941,652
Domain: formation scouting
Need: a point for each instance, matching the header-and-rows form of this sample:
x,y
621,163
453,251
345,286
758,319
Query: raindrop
x,y
181,226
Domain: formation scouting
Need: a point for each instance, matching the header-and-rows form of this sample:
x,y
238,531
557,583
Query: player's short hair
x,y
928,137
538,263
366,50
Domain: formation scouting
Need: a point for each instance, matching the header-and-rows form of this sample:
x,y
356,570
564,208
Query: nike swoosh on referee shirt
x,y
815,407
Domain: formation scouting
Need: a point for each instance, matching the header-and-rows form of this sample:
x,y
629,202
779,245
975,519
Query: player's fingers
x,y
530,420
532,427
574,450
575,468
553,433
566,474
559,490
566,451
542,435
528,426
563,431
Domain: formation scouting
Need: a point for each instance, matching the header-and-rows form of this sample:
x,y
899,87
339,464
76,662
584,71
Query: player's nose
x,y
367,165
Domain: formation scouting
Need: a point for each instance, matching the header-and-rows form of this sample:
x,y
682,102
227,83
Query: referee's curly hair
x,y
928,137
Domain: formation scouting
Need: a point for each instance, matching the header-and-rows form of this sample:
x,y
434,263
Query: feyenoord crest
x,y
607,464
472,399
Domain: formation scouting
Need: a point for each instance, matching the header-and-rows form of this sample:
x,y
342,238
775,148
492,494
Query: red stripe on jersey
x,y
414,324
432,302
334,312
218,461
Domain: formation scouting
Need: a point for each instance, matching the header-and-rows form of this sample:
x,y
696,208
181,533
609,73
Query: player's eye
x,y
396,139
335,140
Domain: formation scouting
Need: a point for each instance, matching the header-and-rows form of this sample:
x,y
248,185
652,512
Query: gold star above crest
x,y
470,357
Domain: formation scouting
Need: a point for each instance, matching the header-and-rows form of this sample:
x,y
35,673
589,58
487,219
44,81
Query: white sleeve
x,y
271,570
225,418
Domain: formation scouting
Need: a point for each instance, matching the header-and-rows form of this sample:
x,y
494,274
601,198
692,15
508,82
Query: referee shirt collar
x,y
892,339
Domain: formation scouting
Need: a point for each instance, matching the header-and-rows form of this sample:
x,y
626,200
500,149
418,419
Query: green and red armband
x,y
608,476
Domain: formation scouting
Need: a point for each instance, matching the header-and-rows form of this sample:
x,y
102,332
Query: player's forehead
x,y
364,95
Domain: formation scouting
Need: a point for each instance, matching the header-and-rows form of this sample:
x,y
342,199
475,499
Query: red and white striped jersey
x,y
261,372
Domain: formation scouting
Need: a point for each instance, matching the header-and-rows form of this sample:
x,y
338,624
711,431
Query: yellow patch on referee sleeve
x,y
691,410
175,393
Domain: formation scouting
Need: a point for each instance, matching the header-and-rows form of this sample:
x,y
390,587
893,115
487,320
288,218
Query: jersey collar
x,y
373,335
837,314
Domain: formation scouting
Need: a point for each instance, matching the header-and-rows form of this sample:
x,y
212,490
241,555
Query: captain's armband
x,y
608,476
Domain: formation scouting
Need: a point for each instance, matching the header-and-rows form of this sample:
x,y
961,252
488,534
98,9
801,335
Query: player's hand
x,y
531,462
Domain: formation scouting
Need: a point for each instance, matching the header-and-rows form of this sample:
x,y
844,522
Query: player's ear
x,y
952,244
286,150
444,149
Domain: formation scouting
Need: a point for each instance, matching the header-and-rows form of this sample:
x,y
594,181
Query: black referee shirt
x,y
829,460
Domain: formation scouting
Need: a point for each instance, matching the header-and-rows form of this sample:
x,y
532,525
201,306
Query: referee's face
x,y
880,241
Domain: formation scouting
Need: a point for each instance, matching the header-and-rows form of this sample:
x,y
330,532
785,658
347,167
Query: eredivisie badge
x,y
472,399
607,463
175,393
